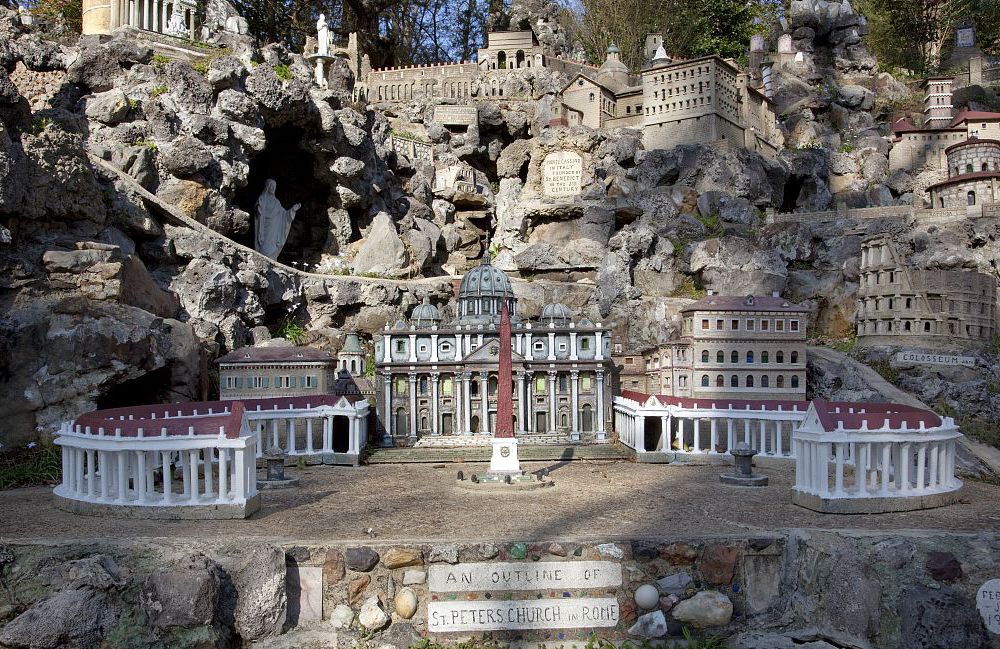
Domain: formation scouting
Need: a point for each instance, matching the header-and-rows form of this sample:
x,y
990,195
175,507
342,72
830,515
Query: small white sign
x,y
562,174
485,615
935,359
456,115
988,603
538,575
965,37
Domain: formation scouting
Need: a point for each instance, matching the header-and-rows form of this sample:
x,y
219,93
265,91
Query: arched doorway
x,y
587,418
342,433
519,58
502,60
475,424
651,434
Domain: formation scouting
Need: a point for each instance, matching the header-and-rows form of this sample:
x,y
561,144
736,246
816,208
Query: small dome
x,y
425,314
485,280
351,345
557,313
613,49
660,56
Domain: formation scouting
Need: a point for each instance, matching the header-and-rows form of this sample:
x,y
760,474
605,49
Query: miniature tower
x,y
504,458
351,356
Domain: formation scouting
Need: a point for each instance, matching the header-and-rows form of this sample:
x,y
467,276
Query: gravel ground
x,y
590,500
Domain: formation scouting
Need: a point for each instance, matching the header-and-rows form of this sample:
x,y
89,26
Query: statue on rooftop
x,y
272,221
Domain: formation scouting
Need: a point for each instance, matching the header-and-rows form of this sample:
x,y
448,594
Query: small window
x,y
704,325
734,381
538,346
719,381
779,325
795,357
585,343
779,357
764,357
704,381
795,381
720,325
764,381
400,385
400,346
562,347
765,325
734,357
734,325
445,347
750,358
971,198
585,382
749,380
750,324
704,356
446,386
720,357
793,325
423,349
780,382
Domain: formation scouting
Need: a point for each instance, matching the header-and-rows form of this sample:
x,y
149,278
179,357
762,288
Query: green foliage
x,y
712,223
132,103
290,330
34,464
201,67
39,124
688,289
407,135
160,59
986,431
373,275
149,144
702,643
885,370
283,72
300,463
157,91
52,11
846,147
370,365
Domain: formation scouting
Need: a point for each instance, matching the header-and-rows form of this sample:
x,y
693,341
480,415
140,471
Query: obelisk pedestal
x,y
504,459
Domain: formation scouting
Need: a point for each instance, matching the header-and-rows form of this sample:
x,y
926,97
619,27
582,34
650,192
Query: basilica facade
x,y
438,378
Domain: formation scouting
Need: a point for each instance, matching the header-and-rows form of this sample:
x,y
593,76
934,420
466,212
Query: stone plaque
x,y
456,115
935,359
988,603
756,43
785,44
484,615
540,575
562,173
965,37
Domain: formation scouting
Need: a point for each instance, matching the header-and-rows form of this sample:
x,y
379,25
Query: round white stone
x,y
988,603
647,597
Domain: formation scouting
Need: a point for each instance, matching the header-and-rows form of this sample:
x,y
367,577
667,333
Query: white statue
x,y
322,36
176,25
273,221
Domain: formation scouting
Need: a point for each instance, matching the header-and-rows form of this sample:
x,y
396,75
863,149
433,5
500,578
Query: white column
x,y
527,346
434,348
413,348
574,377
552,346
860,468
921,466
274,434
328,434
697,435
886,465
290,436
387,351
458,399
552,399
387,439
763,437
309,435
664,434
123,469
598,346
669,442
484,390
778,441
413,402
933,473
600,403
730,433
639,433
572,345
904,467
91,475
521,398
352,433
102,460
140,476
467,402
714,435
838,488
193,460
207,458
168,487
239,473
458,347
435,376
223,474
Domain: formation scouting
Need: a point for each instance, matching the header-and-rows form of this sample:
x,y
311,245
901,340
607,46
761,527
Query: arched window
x,y
764,381
941,201
909,303
587,413
423,385
491,385
734,381
927,326
795,357
764,358
720,357
749,380
474,388
704,356
968,168
986,166
734,357
779,357
704,380
423,422
401,425
780,381
906,326
562,420
719,381
750,358
502,60
971,198
591,96
795,381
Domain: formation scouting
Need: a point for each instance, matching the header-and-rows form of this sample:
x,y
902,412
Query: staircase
x,y
454,441
481,453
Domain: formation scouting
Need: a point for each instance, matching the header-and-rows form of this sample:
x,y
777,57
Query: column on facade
x,y
520,398
387,419
458,348
529,402
387,352
413,405
552,345
714,440
639,433
697,435
413,348
600,402
527,345
467,403
763,437
435,376
574,376
663,434
434,348
598,346
458,409
552,400
572,345
484,384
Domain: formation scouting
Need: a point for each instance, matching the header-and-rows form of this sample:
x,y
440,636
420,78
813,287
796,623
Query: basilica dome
x,y
425,315
557,313
482,292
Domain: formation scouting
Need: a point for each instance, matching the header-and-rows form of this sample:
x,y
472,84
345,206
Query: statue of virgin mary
x,y
272,221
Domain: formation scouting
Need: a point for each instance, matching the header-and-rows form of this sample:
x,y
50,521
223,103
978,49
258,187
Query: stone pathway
x,y
614,499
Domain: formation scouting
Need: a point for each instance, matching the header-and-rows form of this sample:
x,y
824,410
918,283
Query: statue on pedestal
x,y
272,221
322,36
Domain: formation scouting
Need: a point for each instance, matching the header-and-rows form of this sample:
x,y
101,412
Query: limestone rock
x,y
734,266
610,551
676,584
414,577
857,97
70,619
405,603
402,557
261,603
186,156
443,554
99,572
707,608
361,559
108,107
372,617
341,617
651,625
383,251
182,596
937,618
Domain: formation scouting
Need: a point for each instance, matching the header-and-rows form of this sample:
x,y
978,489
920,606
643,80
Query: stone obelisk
x,y
504,458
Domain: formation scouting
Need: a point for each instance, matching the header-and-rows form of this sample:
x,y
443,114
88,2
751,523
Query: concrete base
x,y
313,459
716,459
504,459
287,483
496,483
743,481
173,512
875,505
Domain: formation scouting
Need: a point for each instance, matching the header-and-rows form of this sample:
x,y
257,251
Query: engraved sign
x,y
756,43
965,37
988,603
538,575
935,359
785,44
483,615
456,115
562,173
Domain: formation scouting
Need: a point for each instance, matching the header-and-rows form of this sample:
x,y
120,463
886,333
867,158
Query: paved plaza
x,y
590,500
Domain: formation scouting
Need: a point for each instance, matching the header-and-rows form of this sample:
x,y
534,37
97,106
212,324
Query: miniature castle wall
x,y
941,309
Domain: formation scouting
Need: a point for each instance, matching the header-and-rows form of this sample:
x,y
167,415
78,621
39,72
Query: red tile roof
x,y
872,416
903,125
964,177
967,115
971,141
738,303
732,404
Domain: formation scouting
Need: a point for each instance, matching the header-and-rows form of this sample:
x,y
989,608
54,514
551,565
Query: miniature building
x,y
175,18
732,347
938,309
937,102
442,378
511,50
596,97
352,357
261,372
973,174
